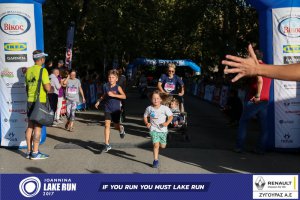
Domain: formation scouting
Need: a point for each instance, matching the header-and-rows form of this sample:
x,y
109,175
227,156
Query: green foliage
x,y
201,30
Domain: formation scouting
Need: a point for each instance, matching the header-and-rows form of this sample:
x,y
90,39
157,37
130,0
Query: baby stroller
x,y
181,127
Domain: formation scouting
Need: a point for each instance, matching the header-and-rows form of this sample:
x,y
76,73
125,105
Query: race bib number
x,y
72,90
169,87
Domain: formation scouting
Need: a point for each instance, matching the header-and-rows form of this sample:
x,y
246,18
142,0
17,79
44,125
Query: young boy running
x,y
158,124
112,95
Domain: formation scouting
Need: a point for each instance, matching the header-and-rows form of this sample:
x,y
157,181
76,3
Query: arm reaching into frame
x,y
251,67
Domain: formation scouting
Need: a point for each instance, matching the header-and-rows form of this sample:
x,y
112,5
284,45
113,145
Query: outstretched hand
x,y
242,66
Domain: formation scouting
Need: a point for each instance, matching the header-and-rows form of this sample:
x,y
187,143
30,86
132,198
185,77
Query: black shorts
x,y
113,116
53,99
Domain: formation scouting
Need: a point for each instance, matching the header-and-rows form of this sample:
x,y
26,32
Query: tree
x,y
201,30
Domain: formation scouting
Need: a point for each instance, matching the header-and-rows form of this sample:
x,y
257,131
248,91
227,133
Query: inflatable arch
x,y
21,32
279,27
159,62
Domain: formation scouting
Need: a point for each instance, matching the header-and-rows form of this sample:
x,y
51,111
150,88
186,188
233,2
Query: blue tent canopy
x,y
159,62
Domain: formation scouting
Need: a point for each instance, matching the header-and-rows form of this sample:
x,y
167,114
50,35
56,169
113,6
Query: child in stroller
x,y
178,117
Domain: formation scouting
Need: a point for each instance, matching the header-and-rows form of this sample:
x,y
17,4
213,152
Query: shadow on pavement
x,y
123,154
35,170
92,146
212,143
94,171
230,162
210,146
16,151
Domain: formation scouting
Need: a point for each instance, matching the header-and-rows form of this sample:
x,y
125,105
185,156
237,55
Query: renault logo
x,y
260,183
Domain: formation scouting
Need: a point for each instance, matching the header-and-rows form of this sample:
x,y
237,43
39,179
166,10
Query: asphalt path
x,y
208,151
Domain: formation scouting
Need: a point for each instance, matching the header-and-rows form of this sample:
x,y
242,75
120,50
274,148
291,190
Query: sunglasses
x,y
171,71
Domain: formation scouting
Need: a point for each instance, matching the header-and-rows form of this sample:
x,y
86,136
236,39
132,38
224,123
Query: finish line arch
x,y
131,68
16,47
279,25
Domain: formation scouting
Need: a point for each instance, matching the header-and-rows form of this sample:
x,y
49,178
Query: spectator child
x,y
177,117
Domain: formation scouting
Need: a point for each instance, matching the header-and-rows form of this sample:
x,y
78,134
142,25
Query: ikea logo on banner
x,y
291,48
16,46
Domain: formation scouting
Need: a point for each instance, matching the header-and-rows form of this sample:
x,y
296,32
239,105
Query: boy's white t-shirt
x,y
158,117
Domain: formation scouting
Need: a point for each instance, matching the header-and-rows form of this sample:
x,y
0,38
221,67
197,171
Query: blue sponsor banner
x,y
130,186
70,40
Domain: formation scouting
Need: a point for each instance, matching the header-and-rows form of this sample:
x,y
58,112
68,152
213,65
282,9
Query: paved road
x,y
210,149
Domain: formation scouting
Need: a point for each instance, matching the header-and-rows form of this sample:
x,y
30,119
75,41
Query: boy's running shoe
x,y
155,164
122,132
39,156
28,155
107,148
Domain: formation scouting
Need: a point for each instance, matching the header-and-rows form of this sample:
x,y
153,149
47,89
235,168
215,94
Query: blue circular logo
x,y
290,27
14,24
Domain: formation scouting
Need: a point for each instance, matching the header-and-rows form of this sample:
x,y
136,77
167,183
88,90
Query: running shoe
x,y
39,156
107,148
155,164
122,132
59,121
28,155
55,123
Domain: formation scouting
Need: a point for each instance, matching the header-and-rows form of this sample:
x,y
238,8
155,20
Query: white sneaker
x,y
122,132
59,121
107,147
55,123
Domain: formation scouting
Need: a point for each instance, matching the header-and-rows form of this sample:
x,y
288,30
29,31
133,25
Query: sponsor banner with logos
x,y
14,119
286,47
17,42
130,186
275,186
70,41
148,186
